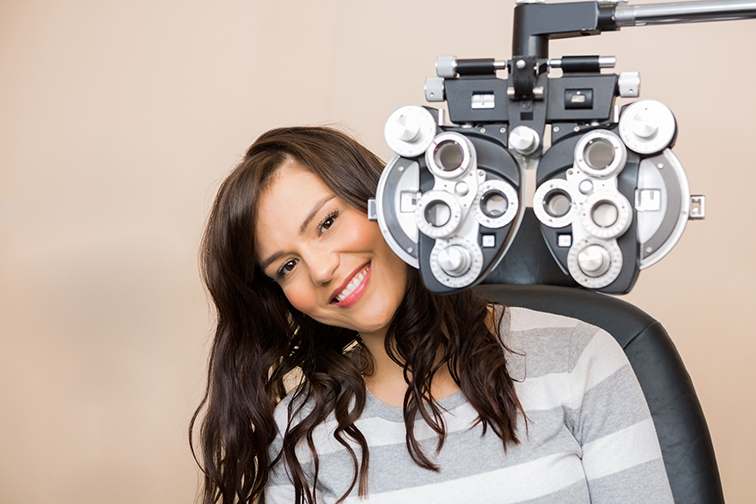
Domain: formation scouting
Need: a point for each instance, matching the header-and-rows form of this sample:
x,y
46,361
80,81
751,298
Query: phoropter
x,y
611,197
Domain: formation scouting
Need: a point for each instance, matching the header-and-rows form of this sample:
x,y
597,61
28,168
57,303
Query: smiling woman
x,y
403,396
330,261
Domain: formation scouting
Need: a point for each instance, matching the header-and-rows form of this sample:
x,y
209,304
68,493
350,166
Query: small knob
x,y
461,188
594,260
455,260
446,66
585,186
524,140
434,89
629,84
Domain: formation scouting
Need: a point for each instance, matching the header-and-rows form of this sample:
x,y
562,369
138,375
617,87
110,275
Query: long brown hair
x,y
260,339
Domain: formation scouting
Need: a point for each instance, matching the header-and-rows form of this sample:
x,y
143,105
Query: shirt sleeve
x,y
621,456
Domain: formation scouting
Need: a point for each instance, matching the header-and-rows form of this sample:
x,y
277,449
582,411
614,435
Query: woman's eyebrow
x,y
311,215
315,209
267,262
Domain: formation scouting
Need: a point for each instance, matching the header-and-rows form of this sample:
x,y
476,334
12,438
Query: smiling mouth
x,y
358,280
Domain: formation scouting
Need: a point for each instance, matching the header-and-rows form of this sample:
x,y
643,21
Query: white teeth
x,y
351,286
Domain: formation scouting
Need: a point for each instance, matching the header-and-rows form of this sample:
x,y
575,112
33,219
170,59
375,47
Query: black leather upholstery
x,y
680,424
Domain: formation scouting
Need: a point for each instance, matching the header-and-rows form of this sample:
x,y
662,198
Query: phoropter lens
x,y
604,214
494,204
448,155
437,213
557,203
599,154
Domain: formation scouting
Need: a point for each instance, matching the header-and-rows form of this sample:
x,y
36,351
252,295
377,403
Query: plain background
x,y
118,119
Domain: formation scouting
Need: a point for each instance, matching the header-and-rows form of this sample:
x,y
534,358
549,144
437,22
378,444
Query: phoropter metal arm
x,y
536,23
684,12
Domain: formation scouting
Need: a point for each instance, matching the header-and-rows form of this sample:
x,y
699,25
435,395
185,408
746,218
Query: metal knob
x,y
647,126
629,84
409,130
594,260
524,140
644,125
446,66
434,89
405,127
455,260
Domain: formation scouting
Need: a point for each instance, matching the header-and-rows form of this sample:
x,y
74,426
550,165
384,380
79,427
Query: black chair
x,y
528,277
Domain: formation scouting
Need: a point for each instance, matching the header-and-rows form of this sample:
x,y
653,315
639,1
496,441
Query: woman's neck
x,y
386,381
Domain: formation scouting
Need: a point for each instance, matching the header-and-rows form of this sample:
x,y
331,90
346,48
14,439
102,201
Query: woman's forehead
x,y
290,179
289,201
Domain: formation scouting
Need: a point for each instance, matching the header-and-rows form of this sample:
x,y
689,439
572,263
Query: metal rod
x,y
684,12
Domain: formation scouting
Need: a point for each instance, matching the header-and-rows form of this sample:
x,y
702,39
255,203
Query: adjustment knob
x,y
405,127
629,84
446,66
594,260
524,140
455,260
647,126
644,125
434,89
410,130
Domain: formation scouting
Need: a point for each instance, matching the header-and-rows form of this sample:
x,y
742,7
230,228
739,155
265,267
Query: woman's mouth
x,y
355,287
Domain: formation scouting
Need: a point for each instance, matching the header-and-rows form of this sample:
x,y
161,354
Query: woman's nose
x,y
322,266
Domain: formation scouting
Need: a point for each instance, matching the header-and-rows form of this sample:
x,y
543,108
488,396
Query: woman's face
x,y
331,262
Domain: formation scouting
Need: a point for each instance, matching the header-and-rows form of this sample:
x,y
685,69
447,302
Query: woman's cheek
x,y
366,236
300,298
353,238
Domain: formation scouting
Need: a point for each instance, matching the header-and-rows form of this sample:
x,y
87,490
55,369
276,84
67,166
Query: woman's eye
x,y
328,221
286,268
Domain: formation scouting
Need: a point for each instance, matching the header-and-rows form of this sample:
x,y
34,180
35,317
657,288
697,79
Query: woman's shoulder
x,y
551,337
519,323
526,319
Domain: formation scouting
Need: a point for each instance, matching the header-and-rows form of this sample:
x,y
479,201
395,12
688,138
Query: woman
x,y
394,394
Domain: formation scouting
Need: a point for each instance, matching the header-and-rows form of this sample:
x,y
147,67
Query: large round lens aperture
x,y
448,155
494,204
437,213
599,154
553,203
557,203
604,214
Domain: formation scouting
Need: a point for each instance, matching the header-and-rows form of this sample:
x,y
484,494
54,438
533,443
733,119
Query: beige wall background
x,y
118,119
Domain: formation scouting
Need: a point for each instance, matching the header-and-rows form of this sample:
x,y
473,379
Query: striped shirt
x,y
589,437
